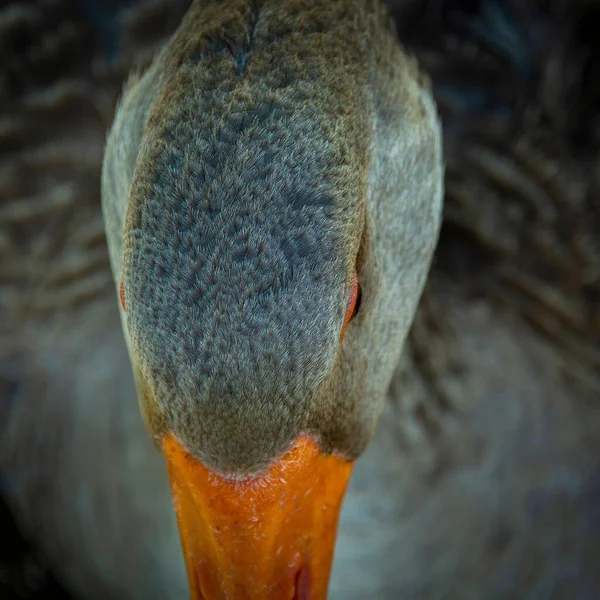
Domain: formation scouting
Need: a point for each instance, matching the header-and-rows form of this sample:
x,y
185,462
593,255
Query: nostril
x,y
302,585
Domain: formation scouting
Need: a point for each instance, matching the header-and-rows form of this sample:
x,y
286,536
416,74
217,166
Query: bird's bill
x,y
269,537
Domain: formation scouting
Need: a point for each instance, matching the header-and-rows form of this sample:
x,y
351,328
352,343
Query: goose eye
x,y
357,300
122,295
353,304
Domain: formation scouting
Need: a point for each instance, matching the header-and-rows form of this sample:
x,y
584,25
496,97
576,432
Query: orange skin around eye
x,y
122,295
351,306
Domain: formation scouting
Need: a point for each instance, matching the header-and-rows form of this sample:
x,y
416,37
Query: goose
x,y
449,518
255,180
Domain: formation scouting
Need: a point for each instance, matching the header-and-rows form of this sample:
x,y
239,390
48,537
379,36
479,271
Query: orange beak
x,y
269,537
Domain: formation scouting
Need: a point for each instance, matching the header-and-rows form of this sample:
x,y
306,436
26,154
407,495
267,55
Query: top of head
x,y
283,148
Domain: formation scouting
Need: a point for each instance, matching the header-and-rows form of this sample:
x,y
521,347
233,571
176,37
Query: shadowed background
x,y
518,88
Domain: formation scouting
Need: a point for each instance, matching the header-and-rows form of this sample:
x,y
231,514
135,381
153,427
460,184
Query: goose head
x,y
272,193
